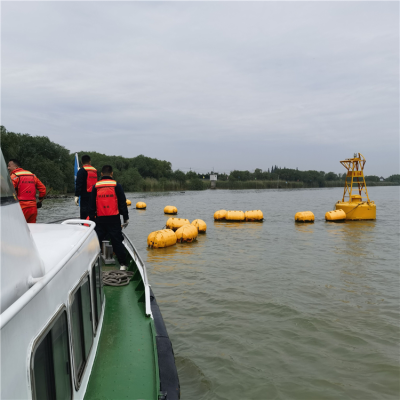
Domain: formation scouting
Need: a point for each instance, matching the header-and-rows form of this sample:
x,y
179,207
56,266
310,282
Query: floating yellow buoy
x,y
356,208
140,205
220,214
254,215
128,202
234,216
304,216
170,210
337,215
176,223
162,238
187,233
200,225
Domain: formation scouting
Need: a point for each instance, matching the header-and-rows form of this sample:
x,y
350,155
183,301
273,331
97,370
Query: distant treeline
x,y
308,178
54,166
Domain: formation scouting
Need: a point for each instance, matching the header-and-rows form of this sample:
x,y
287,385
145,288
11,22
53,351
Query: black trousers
x,y
114,232
84,207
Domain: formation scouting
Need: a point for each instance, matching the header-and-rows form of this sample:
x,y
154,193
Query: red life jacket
x,y
26,189
106,200
92,177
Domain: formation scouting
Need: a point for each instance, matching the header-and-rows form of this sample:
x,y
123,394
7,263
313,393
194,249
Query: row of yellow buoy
x,y
331,216
178,230
238,216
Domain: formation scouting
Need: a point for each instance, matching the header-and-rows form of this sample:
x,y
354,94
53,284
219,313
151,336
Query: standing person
x,y
26,184
107,202
86,178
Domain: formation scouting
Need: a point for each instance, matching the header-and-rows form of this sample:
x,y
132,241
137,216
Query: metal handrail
x,y
143,271
61,220
138,256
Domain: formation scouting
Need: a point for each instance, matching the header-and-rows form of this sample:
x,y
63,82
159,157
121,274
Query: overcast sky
x,y
224,85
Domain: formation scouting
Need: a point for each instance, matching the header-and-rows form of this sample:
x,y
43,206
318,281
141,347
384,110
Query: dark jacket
x,y
122,207
81,184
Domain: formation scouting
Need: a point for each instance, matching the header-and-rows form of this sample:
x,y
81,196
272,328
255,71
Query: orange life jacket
x,y
92,177
106,200
26,189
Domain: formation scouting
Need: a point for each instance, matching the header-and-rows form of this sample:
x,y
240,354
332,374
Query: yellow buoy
x,y
187,233
337,215
170,210
176,223
128,202
304,216
254,215
358,205
162,238
234,216
219,215
200,225
140,205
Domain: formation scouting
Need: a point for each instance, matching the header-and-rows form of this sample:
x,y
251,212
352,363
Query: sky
x,y
207,85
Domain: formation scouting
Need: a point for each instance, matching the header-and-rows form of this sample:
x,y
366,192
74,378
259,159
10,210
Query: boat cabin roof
x,y
54,242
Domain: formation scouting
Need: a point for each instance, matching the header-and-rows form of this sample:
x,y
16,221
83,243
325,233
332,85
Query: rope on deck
x,y
117,278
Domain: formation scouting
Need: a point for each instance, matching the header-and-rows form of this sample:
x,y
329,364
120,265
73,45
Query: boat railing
x,y
133,248
142,268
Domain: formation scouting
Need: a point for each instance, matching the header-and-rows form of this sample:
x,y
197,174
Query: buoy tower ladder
x,y
355,174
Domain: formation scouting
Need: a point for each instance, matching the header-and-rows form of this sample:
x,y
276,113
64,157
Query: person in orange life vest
x,y
26,184
86,178
107,203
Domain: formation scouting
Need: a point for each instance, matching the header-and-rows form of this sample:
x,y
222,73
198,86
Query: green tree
x,y
191,175
372,178
179,176
331,176
394,178
196,184
49,161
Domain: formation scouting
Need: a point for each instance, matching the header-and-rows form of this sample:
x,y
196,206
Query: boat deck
x,y
125,365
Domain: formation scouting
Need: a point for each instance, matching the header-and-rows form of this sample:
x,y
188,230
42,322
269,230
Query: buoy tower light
x,y
355,202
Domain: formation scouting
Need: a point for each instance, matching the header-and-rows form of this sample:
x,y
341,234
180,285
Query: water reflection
x,y
357,274
248,226
175,257
356,237
304,228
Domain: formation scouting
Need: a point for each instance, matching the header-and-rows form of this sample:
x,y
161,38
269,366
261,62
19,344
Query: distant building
x,y
381,178
213,179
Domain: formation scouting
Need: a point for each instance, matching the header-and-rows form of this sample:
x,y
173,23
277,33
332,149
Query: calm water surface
x,y
275,310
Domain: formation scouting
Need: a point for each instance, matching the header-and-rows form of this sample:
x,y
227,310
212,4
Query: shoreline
x,y
245,186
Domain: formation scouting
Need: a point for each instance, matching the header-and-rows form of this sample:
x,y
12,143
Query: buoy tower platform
x,y
356,203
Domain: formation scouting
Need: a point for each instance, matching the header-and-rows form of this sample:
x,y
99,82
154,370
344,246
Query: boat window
x,y
97,285
82,329
7,191
51,364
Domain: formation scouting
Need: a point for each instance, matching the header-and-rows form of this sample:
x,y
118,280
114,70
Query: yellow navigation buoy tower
x,y
355,202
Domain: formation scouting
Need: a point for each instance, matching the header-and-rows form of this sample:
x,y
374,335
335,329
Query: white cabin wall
x,y
19,256
18,335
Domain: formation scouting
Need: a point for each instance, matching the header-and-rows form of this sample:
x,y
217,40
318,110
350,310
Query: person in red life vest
x,y
86,178
26,184
107,203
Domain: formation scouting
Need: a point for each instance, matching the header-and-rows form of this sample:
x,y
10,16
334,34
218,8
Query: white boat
x,y
61,330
